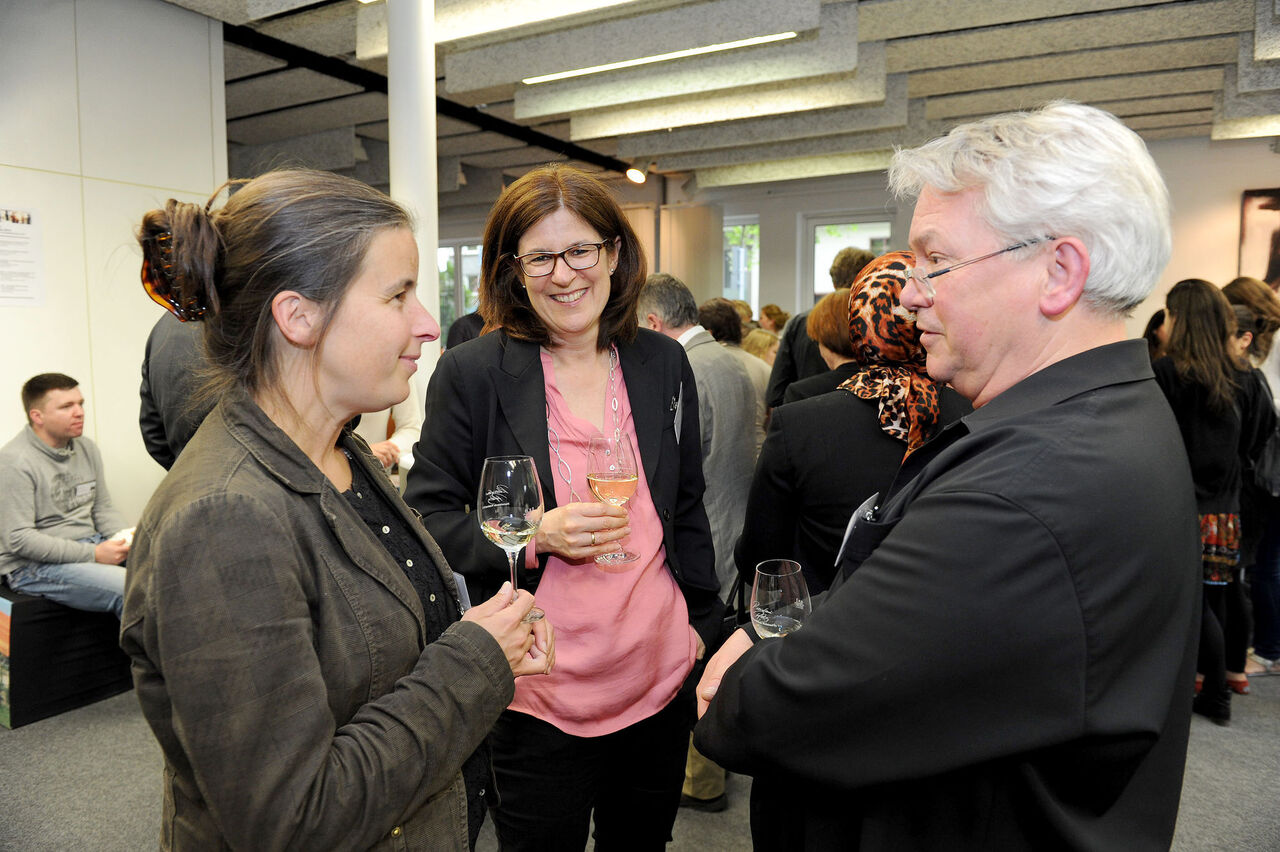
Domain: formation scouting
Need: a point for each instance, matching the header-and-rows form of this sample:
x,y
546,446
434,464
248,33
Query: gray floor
x,y
90,780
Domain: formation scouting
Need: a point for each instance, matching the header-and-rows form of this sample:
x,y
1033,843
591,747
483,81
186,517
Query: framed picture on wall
x,y
1260,235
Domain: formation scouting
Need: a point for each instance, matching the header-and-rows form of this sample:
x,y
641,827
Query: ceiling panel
x,y
860,78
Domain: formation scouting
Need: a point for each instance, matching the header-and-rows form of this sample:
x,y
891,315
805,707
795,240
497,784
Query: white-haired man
x,y
1006,658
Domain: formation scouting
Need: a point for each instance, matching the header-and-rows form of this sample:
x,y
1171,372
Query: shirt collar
x,y
1112,364
688,334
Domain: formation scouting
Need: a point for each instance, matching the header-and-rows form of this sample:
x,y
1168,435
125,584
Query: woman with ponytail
x,y
297,641
1225,418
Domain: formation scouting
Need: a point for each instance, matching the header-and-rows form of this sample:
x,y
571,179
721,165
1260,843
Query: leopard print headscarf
x,y
886,346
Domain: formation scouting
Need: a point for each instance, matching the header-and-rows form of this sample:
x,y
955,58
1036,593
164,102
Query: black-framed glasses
x,y
925,279
539,263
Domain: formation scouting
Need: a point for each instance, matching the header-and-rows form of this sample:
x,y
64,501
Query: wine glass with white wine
x,y
612,477
509,509
779,598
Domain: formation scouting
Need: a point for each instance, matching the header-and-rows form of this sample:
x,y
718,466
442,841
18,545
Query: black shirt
x,y
438,607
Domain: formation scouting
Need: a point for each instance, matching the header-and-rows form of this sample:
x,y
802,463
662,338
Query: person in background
x,y
63,538
888,406
798,356
726,413
762,344
1005,656
1156,334
1224,416
743,307
718,316
397,448
297,642
773,318
828,326
604,738
464,328
169,414
1263,569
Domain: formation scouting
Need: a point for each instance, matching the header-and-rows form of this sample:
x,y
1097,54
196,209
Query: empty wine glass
x,y
612,477
509,509
779,598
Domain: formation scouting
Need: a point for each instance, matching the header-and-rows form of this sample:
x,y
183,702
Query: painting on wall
x,y
1260,235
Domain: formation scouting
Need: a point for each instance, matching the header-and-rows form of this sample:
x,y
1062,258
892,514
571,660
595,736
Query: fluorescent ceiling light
x,y
661,57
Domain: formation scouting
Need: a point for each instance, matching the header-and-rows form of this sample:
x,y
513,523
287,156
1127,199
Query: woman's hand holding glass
x,y
578,531
530,646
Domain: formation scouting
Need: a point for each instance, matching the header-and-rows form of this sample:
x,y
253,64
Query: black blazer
x,y
822,457
822,383
486,398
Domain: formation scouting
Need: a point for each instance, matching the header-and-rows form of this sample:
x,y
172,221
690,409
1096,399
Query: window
x,y
742,259
829,234
459,269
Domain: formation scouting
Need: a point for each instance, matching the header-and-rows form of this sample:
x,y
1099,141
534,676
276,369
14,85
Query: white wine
x,y
510,533
770,624
613,488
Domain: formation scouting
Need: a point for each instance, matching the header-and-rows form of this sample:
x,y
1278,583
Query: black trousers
x,y
550,783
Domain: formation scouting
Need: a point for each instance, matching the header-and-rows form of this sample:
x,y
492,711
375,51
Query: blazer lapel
x,y
649,409
520,387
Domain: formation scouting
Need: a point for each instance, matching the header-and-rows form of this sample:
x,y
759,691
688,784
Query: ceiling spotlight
x,y
661,57
635,175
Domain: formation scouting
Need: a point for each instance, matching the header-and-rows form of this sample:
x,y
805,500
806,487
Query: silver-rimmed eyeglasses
x,y
924,278
539,263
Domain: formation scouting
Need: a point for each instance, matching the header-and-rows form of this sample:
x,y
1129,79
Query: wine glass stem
x,y
511,561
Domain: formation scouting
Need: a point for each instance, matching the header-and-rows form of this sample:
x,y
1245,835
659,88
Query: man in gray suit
x,y
727,418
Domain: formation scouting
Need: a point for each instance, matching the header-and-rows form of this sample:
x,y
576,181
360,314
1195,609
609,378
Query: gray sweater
x,y
50,498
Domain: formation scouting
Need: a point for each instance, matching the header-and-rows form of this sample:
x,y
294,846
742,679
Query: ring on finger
x,y
593,538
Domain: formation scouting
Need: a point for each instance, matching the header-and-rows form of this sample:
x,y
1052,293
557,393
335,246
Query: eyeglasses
x,y
925,279
539,263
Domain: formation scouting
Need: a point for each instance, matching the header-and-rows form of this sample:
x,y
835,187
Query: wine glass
x,y
509,509
779,598
612,477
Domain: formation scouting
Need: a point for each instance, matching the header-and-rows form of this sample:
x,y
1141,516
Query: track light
x,y
661,57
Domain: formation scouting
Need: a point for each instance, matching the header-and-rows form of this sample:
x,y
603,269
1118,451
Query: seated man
x,y
55,512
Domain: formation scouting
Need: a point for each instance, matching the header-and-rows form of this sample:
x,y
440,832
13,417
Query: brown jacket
x,y
278,656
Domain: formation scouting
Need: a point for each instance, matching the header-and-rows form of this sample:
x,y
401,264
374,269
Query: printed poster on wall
x,y
21,278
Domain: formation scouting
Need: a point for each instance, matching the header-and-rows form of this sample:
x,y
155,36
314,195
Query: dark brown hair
x,y
1202,324
296,229
37,387
504,303
828,323
722,319
1262,301
846,265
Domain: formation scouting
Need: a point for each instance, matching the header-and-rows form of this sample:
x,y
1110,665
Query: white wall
x,y
1206,180
107,110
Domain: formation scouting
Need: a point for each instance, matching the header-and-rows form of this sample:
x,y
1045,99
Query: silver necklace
x,y
553,440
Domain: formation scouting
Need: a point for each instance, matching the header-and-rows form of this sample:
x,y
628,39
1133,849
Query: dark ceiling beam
x,y
300,57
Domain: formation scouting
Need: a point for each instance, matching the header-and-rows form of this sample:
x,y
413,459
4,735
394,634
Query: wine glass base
x,y
533,615
617,557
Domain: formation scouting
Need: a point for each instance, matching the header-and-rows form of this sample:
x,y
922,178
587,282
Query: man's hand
x,y
733,648
111,552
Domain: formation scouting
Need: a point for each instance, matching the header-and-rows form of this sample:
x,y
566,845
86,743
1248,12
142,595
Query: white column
x,y
411,108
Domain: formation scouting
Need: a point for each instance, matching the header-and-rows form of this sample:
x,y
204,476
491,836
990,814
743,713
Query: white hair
x,y
1064,170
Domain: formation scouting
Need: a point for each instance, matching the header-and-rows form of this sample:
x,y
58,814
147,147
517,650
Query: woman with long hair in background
x,y
1224,418
1260,508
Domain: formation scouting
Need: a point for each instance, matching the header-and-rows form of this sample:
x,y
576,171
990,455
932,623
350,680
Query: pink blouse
x,y
623,640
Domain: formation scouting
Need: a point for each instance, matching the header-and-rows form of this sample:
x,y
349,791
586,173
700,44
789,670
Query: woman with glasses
x,y
606,735
1225,417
